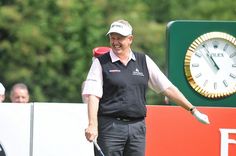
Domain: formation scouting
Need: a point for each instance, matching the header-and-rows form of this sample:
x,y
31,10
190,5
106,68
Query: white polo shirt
x,y
94,82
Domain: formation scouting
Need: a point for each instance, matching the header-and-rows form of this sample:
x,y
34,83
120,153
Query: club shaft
x,y
98,148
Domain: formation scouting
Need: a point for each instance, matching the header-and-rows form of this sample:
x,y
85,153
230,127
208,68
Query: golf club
x,y
98,148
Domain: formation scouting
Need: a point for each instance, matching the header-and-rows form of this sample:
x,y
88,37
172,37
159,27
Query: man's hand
x,y
201,117
91,133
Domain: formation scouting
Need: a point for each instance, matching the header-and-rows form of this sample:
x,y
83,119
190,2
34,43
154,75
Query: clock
x,y
210,65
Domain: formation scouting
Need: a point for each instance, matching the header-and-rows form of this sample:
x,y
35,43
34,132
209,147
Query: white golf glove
x,y
201,117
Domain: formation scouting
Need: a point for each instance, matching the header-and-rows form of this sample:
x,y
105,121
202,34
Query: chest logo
x,y
137,72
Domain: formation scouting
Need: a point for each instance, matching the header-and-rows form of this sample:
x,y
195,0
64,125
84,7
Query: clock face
x,y
210,65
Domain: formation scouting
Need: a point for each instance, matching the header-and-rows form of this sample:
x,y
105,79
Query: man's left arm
x,y
176,96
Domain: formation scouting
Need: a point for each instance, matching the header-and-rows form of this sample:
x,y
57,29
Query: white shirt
x,y
94,82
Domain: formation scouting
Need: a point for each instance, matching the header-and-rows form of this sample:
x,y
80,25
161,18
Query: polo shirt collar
x,y
115,58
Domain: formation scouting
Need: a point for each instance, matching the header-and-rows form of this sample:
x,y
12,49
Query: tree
x,y
48,44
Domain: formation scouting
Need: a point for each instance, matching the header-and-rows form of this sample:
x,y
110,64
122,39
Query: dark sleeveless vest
x,y
124,87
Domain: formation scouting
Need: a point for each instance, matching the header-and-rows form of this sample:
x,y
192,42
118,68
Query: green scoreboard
x,y
201,58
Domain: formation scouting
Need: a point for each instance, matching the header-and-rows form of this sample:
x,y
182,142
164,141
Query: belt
x,y
129,119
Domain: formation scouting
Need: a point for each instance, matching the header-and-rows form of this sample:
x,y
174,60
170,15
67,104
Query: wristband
x,y
192,108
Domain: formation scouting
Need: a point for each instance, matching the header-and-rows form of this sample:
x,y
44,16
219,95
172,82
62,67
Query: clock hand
x,y
217,67
207,60
210,57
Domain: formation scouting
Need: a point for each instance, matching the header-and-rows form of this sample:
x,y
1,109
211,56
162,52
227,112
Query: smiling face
x,y
120,44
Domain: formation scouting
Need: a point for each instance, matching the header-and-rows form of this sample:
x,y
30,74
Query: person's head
x,y
120,35
2,93
19,93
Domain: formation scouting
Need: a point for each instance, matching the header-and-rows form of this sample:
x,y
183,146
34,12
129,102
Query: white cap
x,y
121,27
2,89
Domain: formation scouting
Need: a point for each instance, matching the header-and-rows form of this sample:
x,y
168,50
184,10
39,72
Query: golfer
x,y
116,86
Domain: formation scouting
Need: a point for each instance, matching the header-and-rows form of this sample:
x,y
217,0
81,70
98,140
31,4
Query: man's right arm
x,y
94,80
92,130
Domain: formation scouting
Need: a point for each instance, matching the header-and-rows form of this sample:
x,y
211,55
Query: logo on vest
x,y
114,71
137,72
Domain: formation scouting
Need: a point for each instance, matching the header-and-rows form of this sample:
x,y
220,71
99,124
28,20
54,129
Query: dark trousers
x,y
121,138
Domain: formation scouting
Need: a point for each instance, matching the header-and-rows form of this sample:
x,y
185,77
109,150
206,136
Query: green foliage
x,y
48,44
159,10
203,9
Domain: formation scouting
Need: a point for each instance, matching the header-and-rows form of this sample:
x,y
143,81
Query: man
x,y
19,93
2,93
116,87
